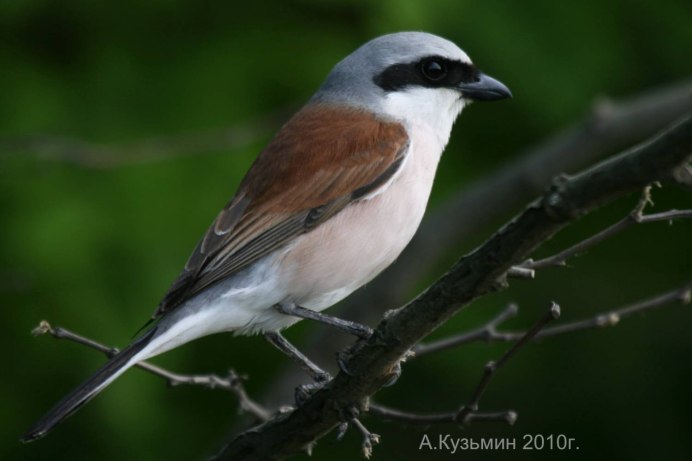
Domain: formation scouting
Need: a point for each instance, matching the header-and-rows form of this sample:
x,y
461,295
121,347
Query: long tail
x,y
88,389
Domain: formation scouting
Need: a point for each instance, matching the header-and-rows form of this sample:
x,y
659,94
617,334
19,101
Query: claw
x,y
394,377
322,378
304,391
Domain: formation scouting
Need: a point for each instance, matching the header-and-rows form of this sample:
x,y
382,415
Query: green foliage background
x,y
93,250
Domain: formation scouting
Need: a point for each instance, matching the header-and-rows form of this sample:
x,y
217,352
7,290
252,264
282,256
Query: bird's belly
x,y
317,270
353,247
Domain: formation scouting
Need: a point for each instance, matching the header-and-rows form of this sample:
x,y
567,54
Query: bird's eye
x,y
434,70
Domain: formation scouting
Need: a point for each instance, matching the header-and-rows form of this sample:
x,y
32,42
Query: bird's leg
x,y
319,375
353,328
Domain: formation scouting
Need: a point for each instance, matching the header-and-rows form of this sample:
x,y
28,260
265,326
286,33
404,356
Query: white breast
x,y
321,267
349,250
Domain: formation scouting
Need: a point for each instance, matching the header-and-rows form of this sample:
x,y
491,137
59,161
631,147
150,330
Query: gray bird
x,y
328,204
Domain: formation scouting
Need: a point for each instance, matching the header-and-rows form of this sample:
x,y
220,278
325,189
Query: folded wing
x,y
321,160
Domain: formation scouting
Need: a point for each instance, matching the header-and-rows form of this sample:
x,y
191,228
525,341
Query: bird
x,y
329,203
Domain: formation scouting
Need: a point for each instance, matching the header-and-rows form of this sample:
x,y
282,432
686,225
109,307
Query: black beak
x,y
485,88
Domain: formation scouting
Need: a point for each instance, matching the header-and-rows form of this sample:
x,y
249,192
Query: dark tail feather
x,y
87,390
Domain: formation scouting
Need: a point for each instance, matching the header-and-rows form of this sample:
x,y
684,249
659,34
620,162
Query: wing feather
x,y
322,160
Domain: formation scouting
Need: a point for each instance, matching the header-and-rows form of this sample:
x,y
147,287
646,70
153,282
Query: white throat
x,y
432,109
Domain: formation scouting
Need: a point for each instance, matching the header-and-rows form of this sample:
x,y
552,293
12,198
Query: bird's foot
x,y
343,357
304,391
396,371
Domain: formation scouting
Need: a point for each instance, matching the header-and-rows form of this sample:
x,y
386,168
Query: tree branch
x,y
637,216
92,155
492,367
469,412
232,383
373,361
393,414
490,333
612,318
487,332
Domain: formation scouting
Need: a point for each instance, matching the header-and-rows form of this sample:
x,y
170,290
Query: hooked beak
x,y
485,88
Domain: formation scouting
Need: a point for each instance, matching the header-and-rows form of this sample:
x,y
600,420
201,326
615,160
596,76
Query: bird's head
x,y
410,76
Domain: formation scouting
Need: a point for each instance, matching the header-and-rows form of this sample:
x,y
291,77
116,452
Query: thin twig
x,y
682,295
487,332
100,156
637,216
393,414
492,366
369,438
232,382
490,333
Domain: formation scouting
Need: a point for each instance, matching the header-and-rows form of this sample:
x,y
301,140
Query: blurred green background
x,y
149,91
